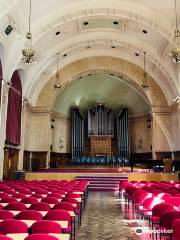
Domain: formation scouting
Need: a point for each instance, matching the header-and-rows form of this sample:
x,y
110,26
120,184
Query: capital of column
x,y
24,103
5,88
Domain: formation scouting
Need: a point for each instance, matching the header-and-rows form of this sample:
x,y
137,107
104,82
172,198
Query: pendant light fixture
x,y
57,86
28,52
175,52
145,84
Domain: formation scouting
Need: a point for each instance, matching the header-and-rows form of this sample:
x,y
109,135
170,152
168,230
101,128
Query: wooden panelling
x,y
131,176
101,145
59,159
34,160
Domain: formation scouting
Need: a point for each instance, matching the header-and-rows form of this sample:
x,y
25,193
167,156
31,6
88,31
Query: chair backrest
x,y
16,206
164,196
8,200
149,203
137,195
19,195
4,214
64,206
50,200
55,195
40,206
29,215
29,200
176,228
41,237
58,215
161,208
177,195
175,201
41,191
167,218
3,195
46,226
155,192
144,196
13,226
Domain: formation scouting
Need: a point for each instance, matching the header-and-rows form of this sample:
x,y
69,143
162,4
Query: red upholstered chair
x,y
29,215
177,195
40,237
17,206
13,226
4,214
55,195
8,200
38,196
167,219
158,210
60,215
50,200
29,200
46,226
9,192
164,196
176,229
145,210
67,207
155,192
40,206
25,191
3,237
64,206
3,195
175,201
19,195
41,191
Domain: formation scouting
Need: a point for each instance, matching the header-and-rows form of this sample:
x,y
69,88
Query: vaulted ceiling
x,y
122,29
90,90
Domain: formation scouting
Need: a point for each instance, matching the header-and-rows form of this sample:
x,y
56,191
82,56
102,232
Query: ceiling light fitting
x,y
28,52
58,86
145,84
175,52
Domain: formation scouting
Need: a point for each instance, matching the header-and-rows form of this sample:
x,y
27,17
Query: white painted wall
x,y
37,132
62,130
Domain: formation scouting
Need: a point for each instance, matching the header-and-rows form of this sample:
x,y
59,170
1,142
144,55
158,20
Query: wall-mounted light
x,y
61,143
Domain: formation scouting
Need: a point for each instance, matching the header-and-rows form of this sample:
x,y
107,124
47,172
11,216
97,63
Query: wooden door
x,y
10,163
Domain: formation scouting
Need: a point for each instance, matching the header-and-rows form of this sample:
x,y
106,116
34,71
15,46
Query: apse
x,y
113,91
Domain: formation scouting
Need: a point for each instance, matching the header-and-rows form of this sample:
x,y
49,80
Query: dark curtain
x,y
1,77
13,124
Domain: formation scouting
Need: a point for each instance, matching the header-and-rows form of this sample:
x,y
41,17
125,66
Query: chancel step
x,y
98,183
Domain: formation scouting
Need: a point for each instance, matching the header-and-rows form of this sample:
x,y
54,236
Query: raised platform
x,y
72,173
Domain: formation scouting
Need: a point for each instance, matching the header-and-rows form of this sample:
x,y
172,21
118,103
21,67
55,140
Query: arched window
x,y
13,124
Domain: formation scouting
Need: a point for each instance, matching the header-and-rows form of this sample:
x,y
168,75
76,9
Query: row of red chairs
x,y
40,195
159,202
33,237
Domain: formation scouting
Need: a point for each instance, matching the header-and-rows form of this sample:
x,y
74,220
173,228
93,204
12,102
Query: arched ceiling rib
x,y
108,65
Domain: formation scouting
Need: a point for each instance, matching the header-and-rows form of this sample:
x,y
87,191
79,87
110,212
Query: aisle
x,y
104,220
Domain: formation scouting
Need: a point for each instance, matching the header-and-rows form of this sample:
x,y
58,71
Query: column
x,y
3,117
48,156
23,127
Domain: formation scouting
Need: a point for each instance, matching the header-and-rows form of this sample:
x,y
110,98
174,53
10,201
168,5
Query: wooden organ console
x,y
101,146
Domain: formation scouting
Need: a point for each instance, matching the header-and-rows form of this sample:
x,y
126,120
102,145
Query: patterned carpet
x,y
106,217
